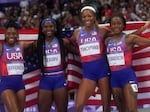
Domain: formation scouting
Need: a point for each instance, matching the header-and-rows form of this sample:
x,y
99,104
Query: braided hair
x,y
41,42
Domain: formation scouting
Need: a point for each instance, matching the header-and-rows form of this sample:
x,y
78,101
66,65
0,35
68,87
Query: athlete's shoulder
x,y
76,33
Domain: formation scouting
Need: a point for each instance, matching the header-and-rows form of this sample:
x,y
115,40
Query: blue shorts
x,y
14,83
122,77
96,70
52,82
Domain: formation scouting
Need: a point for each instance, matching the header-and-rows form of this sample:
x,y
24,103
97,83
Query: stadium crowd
x,y
28,13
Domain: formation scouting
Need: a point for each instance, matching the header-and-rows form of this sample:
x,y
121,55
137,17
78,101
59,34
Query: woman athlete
x,y
119,53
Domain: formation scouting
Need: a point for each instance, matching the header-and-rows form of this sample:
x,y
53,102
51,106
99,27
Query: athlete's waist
x,y
54,73
91,58
12,75
6,75
120,67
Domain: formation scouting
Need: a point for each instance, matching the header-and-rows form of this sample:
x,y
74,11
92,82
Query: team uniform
x,y
11,68
94,62
53,76
119,58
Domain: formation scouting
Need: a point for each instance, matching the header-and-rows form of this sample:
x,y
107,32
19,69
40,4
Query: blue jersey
x,y
54,77
90,45
94,61
52,58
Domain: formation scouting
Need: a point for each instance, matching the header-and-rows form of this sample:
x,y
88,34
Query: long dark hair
x,y
41,50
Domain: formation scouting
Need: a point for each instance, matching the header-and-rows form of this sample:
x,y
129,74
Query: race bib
x,y
89,49
15,68
116,59
52,60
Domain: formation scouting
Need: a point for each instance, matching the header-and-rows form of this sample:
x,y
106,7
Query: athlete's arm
x,y
28,47
143,28
106,32
71,43
135,39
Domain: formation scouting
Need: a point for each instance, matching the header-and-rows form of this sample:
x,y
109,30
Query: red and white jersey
x,y
11,61
118,55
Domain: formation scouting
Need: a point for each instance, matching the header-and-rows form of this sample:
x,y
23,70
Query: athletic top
x,y
11,61
90,45
52,58
119,57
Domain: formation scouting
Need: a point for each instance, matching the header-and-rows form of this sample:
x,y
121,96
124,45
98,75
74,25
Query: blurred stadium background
x,y
28,13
